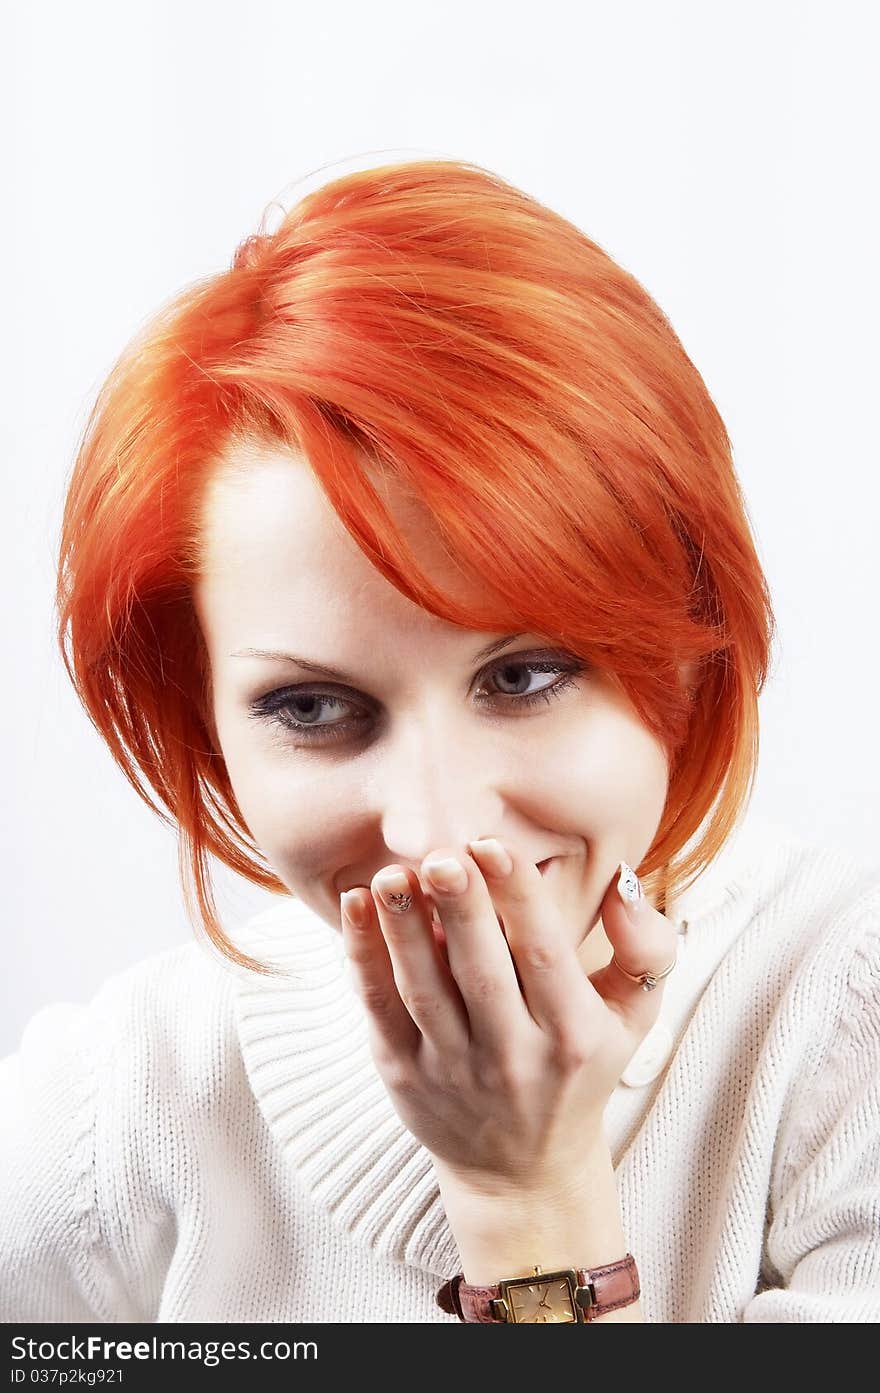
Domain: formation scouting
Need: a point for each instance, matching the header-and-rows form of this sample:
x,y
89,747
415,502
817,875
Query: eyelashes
x,y
274,709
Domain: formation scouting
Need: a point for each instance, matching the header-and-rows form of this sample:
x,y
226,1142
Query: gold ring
x,y
648,980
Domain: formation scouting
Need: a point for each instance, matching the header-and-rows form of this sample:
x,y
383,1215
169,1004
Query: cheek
x,y
289,804
611,777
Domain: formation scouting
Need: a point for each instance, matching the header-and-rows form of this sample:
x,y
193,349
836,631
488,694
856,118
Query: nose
x,y
437,793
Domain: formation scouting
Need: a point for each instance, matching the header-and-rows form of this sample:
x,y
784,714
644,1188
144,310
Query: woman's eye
x,y
299,710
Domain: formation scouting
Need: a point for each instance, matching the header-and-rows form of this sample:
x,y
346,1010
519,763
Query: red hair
x,y
488,355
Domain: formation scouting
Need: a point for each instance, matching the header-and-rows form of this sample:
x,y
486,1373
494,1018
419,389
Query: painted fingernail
x,y
492,856
394,891
448,875
629,888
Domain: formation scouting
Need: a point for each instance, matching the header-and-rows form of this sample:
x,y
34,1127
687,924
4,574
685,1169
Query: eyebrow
x,y
487,652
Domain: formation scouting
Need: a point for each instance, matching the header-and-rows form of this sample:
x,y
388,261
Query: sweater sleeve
x,y
54,1265
823,1239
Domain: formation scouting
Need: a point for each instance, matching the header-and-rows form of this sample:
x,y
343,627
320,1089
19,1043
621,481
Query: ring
x,y
648,980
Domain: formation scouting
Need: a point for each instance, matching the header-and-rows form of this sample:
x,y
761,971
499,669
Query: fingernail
x,y
492,856
395,892
352,908
447,875
629,888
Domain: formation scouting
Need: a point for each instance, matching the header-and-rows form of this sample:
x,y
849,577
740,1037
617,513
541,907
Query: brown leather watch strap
x,y
604,1289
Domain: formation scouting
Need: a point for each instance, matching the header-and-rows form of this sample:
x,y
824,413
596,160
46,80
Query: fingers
x,y
645,943
394,1034
558,996
480,950
510,962
407,966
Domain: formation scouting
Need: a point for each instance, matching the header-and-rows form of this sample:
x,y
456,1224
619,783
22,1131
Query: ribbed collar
x,y
306,1051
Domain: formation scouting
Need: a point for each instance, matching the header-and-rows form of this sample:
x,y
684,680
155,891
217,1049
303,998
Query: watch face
x,y
546,1298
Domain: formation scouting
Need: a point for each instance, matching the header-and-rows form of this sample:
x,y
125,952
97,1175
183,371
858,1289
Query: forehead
x,y
263,506
271,540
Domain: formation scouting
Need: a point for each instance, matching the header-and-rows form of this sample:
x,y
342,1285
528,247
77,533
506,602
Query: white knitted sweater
x,y
201,1144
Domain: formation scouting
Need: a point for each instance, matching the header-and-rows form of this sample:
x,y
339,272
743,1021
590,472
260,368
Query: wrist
x,y
571,1222
545,1185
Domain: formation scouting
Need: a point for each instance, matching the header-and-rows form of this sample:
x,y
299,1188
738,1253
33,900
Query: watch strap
x,y
614,1285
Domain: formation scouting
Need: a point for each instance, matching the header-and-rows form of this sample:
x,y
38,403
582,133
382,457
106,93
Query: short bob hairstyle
x,y
478,348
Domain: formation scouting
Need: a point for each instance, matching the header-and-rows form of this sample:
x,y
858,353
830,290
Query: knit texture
x,y
198,1143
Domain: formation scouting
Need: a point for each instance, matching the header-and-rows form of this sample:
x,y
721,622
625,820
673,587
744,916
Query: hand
x,y
498,1052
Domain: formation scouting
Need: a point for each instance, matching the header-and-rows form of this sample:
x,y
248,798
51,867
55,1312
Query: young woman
x,y
413,542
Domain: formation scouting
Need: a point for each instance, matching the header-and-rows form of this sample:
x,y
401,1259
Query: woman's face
x,y
415,744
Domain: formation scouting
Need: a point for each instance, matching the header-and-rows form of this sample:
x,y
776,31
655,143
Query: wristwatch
x,y
567,1295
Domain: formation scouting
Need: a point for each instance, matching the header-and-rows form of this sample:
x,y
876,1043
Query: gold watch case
x,y
544,1298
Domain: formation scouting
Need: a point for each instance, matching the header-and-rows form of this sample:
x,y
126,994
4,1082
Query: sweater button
x,y
650,1058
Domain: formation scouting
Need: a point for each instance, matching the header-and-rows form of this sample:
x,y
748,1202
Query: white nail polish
x,y
629,888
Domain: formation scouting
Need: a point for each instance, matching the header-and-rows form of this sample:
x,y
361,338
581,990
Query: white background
x,y
725,153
